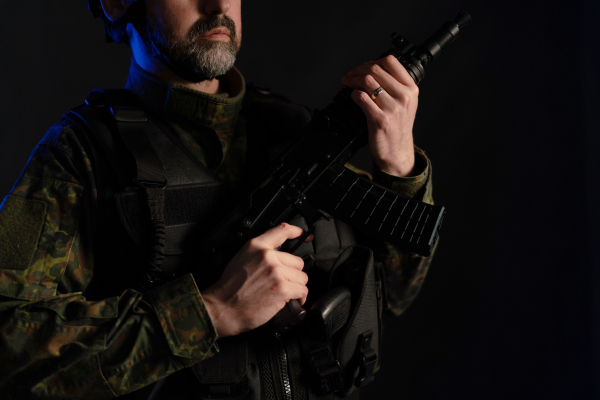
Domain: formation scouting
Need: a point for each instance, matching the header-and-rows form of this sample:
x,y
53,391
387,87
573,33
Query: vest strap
x,y
131,120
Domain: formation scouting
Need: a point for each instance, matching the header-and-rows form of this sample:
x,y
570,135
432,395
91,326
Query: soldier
x,y
75,322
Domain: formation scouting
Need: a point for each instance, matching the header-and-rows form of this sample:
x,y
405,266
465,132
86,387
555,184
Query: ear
x,y
115,8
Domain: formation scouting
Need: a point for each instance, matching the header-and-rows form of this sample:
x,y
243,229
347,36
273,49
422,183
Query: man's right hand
x,y
257,283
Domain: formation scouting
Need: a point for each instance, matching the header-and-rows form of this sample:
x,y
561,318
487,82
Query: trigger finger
x,y
275,237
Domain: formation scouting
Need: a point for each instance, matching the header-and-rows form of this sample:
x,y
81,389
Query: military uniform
x,y
55,342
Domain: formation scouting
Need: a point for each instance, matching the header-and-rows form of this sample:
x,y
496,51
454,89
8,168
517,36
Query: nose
x,y
216,7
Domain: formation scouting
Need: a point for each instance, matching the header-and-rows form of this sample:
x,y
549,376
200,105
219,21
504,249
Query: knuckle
x,y
372,81
271,270
365,80
277,287
404,98
375,68
357,94
385,63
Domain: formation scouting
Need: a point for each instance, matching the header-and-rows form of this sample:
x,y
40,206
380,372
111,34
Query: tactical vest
x,y
315,360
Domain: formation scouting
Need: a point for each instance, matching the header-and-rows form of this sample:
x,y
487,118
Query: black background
x,y
508,115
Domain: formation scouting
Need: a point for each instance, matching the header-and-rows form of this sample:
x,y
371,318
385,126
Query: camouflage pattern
x,y
54,343
405,272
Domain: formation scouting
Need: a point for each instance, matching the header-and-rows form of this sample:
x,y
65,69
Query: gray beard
x,y
211,59
208,58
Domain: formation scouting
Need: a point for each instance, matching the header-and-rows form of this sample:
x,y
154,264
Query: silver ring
x,y
377,92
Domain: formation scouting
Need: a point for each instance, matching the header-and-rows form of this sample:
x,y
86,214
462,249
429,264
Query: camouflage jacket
x,y
54,343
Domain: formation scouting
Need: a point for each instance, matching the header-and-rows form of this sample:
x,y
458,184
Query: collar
x,y
176,101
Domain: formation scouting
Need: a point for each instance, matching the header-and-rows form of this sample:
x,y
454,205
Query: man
x,y
59,338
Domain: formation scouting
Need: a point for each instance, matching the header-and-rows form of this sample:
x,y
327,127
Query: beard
x,y
201,56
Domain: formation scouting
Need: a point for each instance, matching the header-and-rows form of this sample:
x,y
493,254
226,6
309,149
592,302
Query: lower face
x,y
205,47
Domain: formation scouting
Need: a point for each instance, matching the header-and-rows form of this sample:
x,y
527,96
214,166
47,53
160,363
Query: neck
x,y
154,66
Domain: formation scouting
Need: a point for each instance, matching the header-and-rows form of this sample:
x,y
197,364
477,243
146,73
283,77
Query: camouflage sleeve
x,y
405,272
54,343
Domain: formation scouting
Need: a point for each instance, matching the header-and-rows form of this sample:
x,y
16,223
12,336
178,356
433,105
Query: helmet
x,y
116,31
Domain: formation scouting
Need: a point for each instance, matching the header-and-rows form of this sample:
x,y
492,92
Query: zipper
x,y
282,363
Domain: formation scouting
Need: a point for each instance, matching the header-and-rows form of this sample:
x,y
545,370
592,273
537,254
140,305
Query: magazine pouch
x,y
356,346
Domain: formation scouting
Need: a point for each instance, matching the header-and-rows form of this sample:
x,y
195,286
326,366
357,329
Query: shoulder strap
x,y
131,120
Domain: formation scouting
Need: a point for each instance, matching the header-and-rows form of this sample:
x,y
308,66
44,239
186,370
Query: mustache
x,y
212,22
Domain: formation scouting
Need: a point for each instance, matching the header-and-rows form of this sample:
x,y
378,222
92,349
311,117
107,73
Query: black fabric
x,y
131,119
194,205
191,202
229,367
355,270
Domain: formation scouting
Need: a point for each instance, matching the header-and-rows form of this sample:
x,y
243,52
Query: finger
x,y
290,260
393,67
371,110
372,77
276,236
360,69
296,291
294,275
302,300
369,85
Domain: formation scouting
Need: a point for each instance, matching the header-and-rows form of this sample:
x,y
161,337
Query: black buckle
x,y
366,359
327,371
147,184
129,114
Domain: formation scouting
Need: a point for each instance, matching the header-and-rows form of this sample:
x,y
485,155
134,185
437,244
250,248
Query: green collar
x,y
217,112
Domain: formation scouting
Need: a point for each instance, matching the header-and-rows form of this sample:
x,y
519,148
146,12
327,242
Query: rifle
x,y
309,177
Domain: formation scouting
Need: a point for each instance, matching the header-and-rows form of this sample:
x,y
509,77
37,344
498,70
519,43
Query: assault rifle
x,y
309,177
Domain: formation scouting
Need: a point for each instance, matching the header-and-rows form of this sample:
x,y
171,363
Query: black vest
x,y
288,366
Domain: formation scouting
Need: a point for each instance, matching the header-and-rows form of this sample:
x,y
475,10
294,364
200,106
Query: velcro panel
x,y
186,207
21,223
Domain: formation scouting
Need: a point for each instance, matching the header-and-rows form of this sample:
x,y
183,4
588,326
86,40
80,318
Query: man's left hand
x,y
390,115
